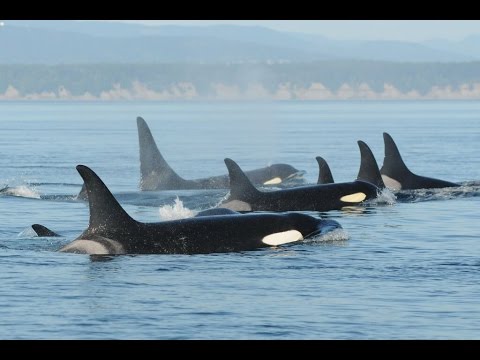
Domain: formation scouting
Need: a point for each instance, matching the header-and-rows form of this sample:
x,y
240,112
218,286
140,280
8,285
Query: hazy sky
x,y
408,30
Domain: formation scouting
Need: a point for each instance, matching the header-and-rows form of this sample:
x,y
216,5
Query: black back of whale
x,y
110,224
304,198
324,173
156,174
42,231
395,168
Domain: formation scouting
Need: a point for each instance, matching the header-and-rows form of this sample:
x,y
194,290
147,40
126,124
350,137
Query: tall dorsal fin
x,y
368,167
241,187
106,214
153,167
324,173
393,165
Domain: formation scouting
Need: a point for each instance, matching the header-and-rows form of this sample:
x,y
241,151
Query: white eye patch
x,y
283,237
274,181
354,198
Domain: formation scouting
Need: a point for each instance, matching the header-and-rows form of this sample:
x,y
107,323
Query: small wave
x,y
418,195
470,183
176,211
27,233
52,184
22,191
334,235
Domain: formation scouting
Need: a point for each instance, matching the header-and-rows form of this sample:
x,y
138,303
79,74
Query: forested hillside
x,y
208,80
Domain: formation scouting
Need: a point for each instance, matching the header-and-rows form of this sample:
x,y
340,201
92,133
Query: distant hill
x,y
312,80
84,42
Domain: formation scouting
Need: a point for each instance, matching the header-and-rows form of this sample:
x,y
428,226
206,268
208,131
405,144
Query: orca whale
x,y
324,173
245,197
156,174
112,231
397,176
42,231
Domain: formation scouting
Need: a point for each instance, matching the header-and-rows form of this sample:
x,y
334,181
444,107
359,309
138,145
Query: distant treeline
x,y
95,78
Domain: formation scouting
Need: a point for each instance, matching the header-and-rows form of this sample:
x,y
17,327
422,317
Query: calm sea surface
x,y
404,270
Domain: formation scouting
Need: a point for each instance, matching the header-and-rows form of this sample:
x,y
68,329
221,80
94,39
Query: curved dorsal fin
x,y
393,165
41,231
324,173
368,166
154,170
106,214
241,187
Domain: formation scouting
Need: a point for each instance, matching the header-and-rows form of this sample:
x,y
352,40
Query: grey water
x,y
402,270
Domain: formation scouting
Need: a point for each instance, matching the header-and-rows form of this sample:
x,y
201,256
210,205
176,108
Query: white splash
x,y
176,211
23,191
385,197
27,233
334,235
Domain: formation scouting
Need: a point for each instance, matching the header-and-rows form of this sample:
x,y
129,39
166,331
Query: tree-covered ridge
x,y
205,79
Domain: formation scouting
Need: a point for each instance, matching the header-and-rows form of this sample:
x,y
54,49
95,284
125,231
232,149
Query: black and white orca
x,y
112,231
156,174
397,176
245,197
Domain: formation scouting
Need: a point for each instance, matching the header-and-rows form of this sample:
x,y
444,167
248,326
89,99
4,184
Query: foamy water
x,y
334,235
28,232
176,211
418,195
22,191
385,197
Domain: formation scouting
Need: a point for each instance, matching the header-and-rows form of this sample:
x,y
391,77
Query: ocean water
x,y
407,269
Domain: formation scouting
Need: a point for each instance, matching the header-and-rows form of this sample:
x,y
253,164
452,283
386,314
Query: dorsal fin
x,y
154,170
368,167
240,186
324,173
41,230
393,165
106,214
